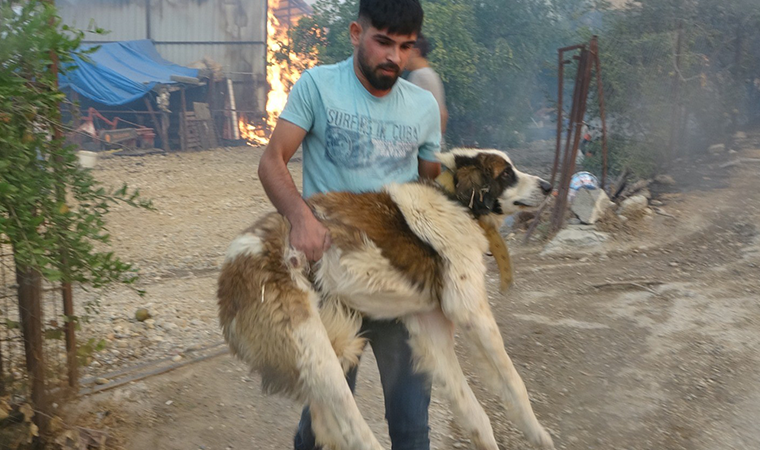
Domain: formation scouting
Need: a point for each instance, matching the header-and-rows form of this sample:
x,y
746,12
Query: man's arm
x,y
307,234
428,169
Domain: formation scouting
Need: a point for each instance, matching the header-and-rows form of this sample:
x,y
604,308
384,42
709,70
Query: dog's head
x,y
487,182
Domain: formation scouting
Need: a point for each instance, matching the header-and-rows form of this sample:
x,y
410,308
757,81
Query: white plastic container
x,y
87,159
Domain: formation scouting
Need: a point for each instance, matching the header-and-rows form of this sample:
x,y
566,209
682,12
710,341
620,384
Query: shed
x,y
229,33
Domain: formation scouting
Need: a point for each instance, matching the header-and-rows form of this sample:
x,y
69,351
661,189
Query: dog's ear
x,y
476,181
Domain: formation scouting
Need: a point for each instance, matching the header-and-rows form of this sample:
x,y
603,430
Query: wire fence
x,y
14,378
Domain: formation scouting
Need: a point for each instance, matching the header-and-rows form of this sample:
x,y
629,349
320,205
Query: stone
x,y
633,205
717,148
576,239
740,135
102,380
142,315
590,204
667,180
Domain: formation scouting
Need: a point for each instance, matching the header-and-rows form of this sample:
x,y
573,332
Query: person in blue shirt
x,y
361,127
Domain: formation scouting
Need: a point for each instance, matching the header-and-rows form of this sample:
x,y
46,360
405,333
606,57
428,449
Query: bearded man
x,y
361,127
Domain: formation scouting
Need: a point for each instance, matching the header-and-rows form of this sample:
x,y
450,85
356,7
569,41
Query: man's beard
x,y
376,80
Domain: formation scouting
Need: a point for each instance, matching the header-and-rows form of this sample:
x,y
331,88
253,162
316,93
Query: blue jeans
x,y
407,394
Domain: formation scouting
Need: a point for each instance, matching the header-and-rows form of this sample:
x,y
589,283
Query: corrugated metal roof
x,y
231,32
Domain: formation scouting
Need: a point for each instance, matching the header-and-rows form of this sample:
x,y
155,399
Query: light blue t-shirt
x,y
358,142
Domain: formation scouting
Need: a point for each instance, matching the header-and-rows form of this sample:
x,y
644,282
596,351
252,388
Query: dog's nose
x,y
546,188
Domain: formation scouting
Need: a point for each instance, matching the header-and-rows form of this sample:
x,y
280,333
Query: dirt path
x,y
669,361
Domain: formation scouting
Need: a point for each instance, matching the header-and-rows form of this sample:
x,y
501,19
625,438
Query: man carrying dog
x,y
361,128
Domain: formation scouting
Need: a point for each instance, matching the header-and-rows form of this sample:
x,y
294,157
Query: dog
x,y
412,252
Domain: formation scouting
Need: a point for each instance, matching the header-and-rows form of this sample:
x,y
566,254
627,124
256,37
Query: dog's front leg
x,y
466,304
431,337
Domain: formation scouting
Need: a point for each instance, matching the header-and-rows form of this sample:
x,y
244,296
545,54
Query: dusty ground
x,y
668,361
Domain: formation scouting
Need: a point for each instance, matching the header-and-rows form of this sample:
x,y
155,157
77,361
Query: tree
x,y
35,165
677,74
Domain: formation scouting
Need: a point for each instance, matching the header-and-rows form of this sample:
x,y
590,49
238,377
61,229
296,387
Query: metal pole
x,y
560,80
600,91
584,72
147,20
233,106
564,174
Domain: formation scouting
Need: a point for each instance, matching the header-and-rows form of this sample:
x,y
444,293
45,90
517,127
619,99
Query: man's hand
x,y
308,235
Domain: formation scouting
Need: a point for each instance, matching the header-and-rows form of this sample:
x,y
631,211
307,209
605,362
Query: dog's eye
x,y
506,173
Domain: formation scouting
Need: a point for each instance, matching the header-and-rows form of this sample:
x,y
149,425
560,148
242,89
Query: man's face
x,y
381,56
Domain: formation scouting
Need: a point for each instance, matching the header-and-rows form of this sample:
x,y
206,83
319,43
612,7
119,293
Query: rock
x,y
102,380
177,358
576,239
655,203
590,204
740,135
717,148
667,180
635,188
633,205
142,315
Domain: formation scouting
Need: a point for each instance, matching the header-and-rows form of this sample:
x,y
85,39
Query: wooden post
x,y
30,311
182,120
35,281
71,340
159,126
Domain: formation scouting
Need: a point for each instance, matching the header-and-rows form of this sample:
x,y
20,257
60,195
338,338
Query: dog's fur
x,y
411,252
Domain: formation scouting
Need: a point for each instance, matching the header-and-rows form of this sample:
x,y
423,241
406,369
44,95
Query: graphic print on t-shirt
x,y
356,141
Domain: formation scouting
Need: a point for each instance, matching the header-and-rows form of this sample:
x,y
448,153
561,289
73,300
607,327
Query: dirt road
x,y
652,344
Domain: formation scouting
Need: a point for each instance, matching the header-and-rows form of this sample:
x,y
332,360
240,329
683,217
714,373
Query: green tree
x,y
495,57
51,209
691,92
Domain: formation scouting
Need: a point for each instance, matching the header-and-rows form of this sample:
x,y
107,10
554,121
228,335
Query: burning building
x,y
234,39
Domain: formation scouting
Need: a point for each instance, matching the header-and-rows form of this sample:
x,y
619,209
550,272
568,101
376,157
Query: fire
x,y
282,73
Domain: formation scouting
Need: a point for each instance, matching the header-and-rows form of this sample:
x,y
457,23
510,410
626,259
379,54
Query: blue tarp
x,y
121,72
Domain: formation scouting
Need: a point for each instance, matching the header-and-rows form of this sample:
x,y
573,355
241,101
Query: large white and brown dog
x,y
413,252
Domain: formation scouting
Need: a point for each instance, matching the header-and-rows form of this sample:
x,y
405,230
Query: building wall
x,y
232,33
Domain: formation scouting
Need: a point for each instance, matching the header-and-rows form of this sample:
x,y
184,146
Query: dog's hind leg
x,y
336,420
467,306
432,342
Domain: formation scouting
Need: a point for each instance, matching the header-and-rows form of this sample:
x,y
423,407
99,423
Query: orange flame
x,y
282,73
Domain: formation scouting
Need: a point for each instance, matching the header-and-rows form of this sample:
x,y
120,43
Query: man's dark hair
x,y
423,45
394,16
